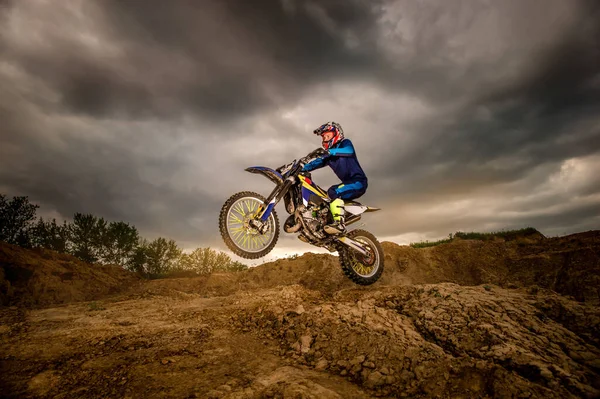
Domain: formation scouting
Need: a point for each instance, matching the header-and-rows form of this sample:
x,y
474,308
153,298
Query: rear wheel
x,y
363,270
239,235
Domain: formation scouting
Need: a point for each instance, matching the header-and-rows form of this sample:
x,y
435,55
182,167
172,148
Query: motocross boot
x,y
338,212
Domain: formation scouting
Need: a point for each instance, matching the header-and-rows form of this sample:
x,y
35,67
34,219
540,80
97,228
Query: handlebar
x,y
305,159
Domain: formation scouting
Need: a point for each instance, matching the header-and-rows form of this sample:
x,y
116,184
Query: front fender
x,y
269,173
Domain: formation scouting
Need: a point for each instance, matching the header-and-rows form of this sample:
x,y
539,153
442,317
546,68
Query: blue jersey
x,y
342,159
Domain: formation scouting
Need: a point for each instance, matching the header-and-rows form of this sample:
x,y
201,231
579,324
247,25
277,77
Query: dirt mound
x,y
42,277
439,340
569,265
464,319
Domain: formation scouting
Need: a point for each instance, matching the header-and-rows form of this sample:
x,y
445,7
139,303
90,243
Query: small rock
x,y
375,379
214,394
224,388
370,365
344,372
321,364
358,359
300,309
305,342
384,371
165,361
355,369
343,364
290,335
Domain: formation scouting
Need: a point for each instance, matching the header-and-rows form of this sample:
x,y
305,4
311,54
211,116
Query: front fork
x,y
264,212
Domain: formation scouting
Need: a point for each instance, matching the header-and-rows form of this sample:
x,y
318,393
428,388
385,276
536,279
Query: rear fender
x,y
269,173
358,209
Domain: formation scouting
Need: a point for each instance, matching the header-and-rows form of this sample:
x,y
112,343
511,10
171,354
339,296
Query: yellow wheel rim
x,y
241,233
362,269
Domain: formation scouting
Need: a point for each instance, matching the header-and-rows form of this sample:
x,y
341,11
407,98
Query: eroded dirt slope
x,y
298,329
42,277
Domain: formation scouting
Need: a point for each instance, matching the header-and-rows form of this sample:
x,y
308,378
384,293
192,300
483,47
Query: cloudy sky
x,y
474,115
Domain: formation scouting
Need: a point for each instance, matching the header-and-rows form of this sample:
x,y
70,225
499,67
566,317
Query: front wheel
x,y
239,235
363,270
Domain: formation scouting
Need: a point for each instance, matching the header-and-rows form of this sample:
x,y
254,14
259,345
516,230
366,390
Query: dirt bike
x,y
250,227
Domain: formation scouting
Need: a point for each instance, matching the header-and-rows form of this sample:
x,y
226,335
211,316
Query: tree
x,y
206,261
51,235
87,232
16,218
139,258
118,243
237,267
199,261
221,262
161,256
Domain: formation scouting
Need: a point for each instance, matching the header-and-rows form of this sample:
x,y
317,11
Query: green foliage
x,y
138,259
236,267
119,241
93,239
161,257
206,260
51,235
507,235
86,234
16,218
425,244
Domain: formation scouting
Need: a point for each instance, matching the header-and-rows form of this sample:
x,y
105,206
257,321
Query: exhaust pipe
x,y
297,226
292,229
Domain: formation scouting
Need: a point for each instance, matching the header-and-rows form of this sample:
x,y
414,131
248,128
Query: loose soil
x,y
468,319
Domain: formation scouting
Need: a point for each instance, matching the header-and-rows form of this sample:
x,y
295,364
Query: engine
x,y
315,218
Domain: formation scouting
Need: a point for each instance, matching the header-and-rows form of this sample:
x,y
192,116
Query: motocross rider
x,y
341,157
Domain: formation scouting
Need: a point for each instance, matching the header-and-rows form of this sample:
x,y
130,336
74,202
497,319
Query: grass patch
x,y
508,235
425,244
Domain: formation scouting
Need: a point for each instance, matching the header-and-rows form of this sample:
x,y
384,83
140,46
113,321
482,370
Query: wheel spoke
x,y
358,266
235,219
244,236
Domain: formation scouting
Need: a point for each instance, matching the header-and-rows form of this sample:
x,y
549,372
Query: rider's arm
x,y
346,149
315,164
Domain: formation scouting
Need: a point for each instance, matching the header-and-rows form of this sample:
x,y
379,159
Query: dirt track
x,y
298,329
439,340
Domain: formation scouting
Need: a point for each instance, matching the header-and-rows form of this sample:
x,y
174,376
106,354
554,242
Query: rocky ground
x,y
297,329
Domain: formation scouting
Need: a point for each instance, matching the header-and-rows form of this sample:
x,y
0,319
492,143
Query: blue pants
x,y
348,191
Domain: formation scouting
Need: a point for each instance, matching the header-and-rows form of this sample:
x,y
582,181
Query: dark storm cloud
x,y
519,124
148,111
103,179
213,59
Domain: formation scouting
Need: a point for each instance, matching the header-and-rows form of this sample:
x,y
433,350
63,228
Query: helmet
x,y
330,127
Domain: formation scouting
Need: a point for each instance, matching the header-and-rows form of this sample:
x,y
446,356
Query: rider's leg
x,y
337,209
338,194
